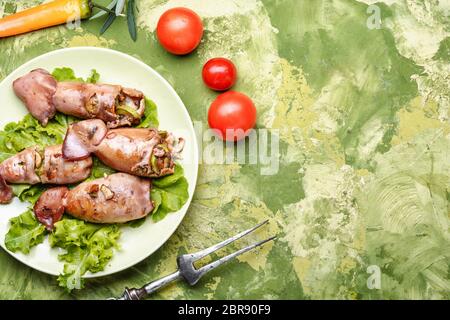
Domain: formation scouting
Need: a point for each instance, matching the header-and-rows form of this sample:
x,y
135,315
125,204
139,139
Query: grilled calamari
x,y
41,165
141,152
114,104
118,198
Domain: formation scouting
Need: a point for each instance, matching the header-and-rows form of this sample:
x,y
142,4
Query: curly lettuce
x,y
89,248
24,233
17,136
67,74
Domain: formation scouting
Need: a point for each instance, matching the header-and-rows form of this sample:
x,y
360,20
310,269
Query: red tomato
x,y
219,74
180,30
232,115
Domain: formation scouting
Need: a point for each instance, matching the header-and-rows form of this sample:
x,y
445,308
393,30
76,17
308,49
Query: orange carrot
x,y
45,15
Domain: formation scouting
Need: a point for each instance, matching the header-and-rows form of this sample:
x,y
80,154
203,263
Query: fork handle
x,y
139,294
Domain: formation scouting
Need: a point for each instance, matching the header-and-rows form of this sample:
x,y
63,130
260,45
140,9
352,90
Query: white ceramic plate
x,y
116,68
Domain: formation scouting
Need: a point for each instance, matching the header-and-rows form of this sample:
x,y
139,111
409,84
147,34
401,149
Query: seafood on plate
x,y
41,165
117,198
139,151
43,96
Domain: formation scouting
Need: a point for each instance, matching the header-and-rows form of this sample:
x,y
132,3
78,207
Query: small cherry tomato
x,y
180,30
219,74
232,115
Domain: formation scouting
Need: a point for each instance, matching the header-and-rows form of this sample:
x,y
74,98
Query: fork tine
x,y
208,251
225,259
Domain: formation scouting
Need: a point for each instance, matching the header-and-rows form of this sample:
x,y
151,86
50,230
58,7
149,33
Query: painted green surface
x,y
364,175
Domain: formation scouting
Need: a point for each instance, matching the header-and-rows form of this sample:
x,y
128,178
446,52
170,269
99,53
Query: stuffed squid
x,y
118,198
41,165
141,152
43,96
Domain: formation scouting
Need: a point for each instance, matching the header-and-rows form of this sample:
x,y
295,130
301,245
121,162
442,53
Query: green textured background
x,y
365,142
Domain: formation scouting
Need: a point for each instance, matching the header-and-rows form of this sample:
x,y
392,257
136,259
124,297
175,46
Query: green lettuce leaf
x,y
161,212
71,232
31,194
99,170
169,194
79,261
24,233
89,247
94,77
156,196
17,136
67,74
150,119
19,189
168,181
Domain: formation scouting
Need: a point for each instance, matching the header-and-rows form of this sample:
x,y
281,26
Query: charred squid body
x,y
43,96
141,152
35,165
118,198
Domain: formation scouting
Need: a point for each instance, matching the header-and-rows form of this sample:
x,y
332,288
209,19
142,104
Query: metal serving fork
x,y
186,269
